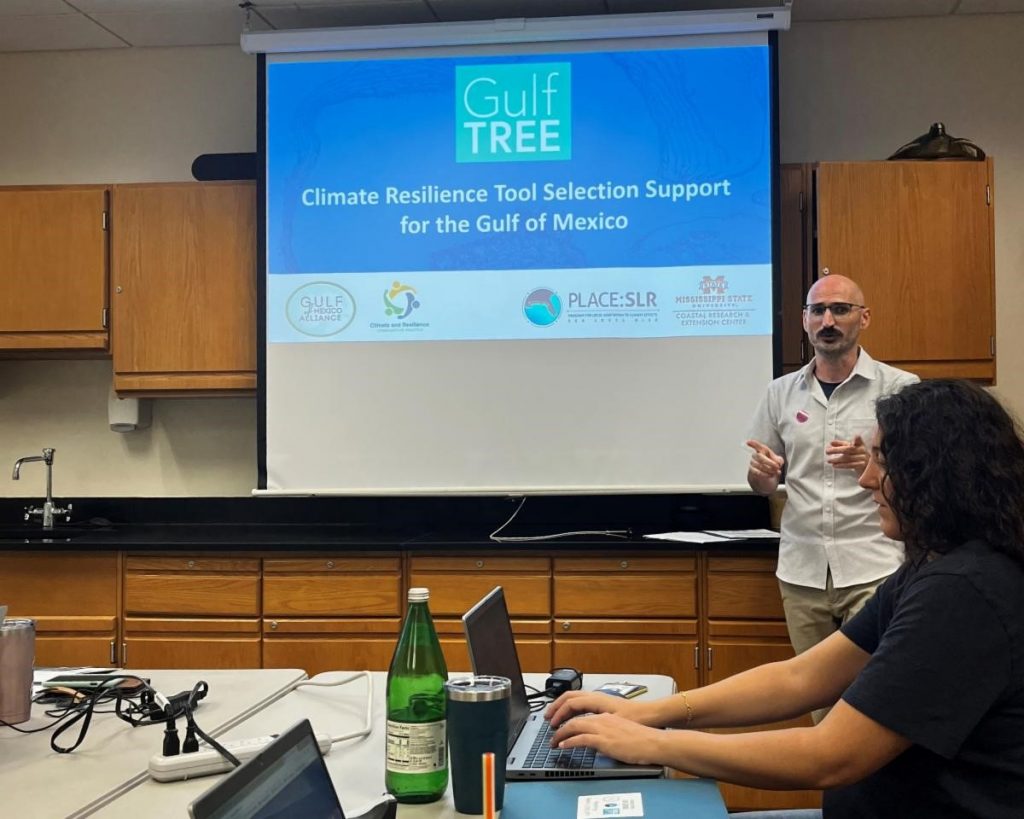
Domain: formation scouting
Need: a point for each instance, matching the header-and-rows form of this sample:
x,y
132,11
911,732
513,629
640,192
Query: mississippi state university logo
x,y
542,307
713,284
513,112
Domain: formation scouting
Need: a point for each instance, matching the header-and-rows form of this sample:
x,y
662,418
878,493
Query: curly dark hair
x,y
955,468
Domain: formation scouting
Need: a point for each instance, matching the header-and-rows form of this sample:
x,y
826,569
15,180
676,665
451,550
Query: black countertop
x,y
320,538
383,524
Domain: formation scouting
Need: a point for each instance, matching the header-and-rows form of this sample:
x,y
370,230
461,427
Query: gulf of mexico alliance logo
x,y
513,112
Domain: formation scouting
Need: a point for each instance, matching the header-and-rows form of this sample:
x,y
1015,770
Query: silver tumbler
x,y
17,655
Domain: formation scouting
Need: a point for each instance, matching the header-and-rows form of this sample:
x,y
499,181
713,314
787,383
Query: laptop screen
x,y
286,779
492,651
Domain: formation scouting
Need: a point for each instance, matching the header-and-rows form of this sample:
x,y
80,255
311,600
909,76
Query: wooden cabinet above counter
x,y
183,288
53,269
175,264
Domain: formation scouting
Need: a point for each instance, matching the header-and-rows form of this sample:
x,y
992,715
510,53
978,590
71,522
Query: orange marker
x,y
487,768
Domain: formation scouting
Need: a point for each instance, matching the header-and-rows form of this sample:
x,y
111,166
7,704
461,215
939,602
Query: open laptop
x,y
285,780
492,651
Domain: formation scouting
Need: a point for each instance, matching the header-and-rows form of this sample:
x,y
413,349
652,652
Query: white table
x,y
38,782
356,766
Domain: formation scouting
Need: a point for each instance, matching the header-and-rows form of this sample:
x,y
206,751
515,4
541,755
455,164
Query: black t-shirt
x,y
947,673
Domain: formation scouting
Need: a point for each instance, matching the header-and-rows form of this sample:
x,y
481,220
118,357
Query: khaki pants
x,y
814,614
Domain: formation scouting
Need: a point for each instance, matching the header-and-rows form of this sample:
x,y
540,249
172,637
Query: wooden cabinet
x,y
456,583
744,628
74,599
53,269
183,288
191,612
635,614
919,238
329,613
796,260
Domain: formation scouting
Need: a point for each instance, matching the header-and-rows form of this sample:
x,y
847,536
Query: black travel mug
x,y
477,724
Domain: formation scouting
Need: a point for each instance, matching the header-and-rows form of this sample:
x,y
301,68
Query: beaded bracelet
x,y
689,710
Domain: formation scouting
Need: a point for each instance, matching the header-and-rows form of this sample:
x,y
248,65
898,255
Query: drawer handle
x,y
273,625
479,564
191,564
566,625
330,564
624,564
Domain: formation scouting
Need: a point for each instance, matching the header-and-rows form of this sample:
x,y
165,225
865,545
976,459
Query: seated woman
x,y
926,683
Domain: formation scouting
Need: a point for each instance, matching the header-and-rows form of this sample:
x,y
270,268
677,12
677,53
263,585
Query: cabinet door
x,y
918,237
629,647
72,596
330,644
182,642
184,287
795,254
735,646
53,268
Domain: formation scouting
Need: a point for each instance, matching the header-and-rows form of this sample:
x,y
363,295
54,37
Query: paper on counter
x,y
689,537
745,534
610,804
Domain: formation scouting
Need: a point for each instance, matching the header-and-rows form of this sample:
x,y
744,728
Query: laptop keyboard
x,y
542,755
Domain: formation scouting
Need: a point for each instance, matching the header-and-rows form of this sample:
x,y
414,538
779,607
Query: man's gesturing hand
x,y
848,454
764,462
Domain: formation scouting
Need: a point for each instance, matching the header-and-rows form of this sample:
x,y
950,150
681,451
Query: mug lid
x,y
12,623
479,688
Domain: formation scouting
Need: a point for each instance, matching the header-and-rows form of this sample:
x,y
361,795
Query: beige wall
x,y
848,91
859,90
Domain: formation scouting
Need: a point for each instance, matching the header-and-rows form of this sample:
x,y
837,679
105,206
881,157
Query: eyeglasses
x,y
838,309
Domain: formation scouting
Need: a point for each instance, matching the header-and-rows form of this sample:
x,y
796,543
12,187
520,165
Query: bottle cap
x,y
419,595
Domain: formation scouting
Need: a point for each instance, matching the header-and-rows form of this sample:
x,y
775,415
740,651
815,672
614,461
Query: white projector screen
x,y
530,267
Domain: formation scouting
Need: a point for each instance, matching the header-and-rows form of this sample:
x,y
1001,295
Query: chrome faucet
x,y
48,509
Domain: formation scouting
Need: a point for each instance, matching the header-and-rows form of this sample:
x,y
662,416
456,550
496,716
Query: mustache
x,y
829,332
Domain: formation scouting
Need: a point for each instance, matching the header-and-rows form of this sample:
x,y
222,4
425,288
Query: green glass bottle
x,y
417,761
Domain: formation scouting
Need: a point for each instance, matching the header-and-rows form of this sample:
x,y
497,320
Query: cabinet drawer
x,y
333,594
203,594
527,595
753,595
626,594
327,653
480,563
207,626
742,563
192,651
343,564
59,584
624,564
190,563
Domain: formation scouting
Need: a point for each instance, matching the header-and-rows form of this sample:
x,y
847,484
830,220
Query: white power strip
x,y
207,761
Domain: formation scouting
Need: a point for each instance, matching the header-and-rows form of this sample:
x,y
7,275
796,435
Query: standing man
x,y
812,426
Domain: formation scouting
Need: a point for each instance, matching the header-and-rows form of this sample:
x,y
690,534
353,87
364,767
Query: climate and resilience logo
x,y
513,112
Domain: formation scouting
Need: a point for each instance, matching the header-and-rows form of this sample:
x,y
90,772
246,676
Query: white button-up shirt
x,y
829,521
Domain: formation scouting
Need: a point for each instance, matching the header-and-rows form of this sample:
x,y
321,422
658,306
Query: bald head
x,y
835,288
834,338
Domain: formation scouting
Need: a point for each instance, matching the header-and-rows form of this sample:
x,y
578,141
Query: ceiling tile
x,y
214,27
348,14
808,10
990,6
18,8
92,7
64,32
450,10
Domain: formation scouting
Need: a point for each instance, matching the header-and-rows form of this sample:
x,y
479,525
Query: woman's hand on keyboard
x,y
575,703
612,735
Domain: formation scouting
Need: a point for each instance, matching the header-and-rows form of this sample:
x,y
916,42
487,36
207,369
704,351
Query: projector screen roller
x,y
524,268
